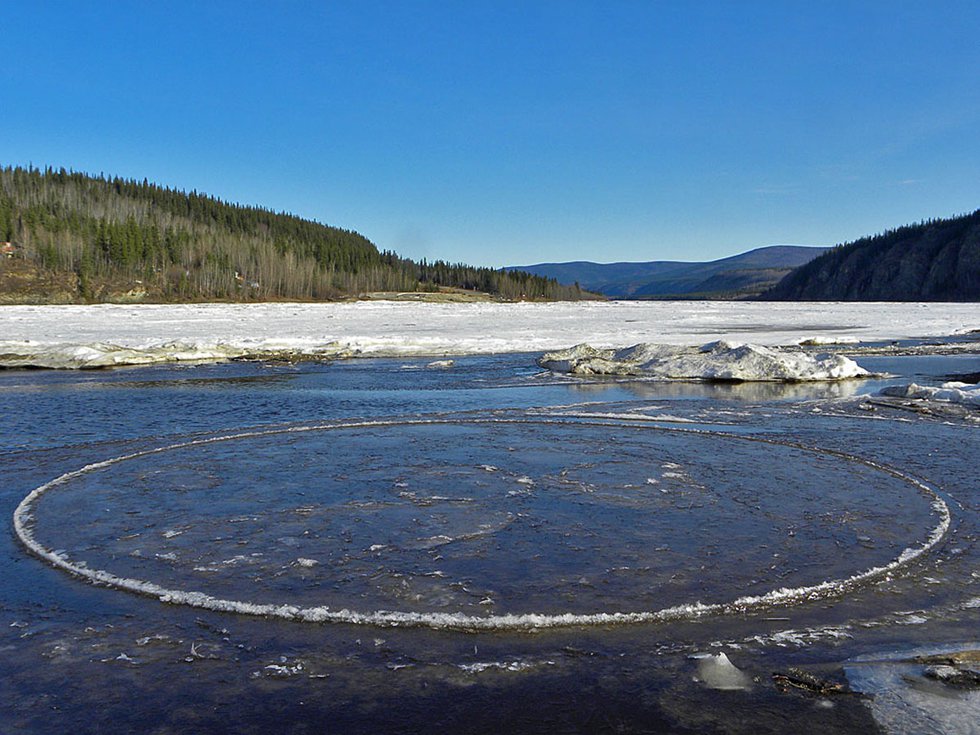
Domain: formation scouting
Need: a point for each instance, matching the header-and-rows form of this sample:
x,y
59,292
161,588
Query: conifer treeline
x,y
190,246
934,260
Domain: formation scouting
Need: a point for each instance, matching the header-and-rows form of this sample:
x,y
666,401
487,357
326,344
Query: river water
x,y
386,545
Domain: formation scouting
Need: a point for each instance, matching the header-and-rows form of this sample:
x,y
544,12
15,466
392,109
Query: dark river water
x,y
375,546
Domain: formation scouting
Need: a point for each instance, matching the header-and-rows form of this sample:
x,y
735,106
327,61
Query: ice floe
x,y
715,361
24,523
962,393
71,356
907,695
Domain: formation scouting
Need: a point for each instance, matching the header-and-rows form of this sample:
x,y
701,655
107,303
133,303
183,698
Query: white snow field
x,y
74,336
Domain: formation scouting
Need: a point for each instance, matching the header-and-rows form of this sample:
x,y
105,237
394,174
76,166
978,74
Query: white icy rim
x,y
23,520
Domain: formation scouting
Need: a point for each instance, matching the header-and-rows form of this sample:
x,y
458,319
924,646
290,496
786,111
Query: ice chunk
x,y
715,671
715,361
963,393
104,354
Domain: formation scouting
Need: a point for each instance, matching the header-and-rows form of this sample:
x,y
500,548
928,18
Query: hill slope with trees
x,y
70,237
938,260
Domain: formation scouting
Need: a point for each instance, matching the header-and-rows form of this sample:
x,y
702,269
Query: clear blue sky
x,y
502,133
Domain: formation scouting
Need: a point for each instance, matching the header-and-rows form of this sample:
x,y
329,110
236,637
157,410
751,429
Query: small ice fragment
x,y
146,640
284,670
441,364
171,533
377,547
652,481
525,480
307,563
912,619
715,671
488,467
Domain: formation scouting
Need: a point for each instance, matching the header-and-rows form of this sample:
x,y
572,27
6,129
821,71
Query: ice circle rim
x,y
23,519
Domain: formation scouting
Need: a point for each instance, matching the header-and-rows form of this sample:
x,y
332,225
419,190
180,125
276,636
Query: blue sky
x,y
501,133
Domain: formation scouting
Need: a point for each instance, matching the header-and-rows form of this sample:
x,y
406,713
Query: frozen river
x,y
107,334
405,544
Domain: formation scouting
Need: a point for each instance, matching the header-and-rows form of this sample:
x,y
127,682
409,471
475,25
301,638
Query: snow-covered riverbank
x,y
106,334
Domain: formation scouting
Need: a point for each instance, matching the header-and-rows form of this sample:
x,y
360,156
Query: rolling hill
x,y
738,276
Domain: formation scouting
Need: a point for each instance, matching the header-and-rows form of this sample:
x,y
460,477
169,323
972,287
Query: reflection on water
x,y
753,392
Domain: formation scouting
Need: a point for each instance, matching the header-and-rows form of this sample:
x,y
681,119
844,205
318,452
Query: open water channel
x,y
386,545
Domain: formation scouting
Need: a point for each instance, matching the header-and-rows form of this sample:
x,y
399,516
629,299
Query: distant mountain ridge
x,y
938,260
737,276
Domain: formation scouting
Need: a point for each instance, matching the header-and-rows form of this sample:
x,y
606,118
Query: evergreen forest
x,y
74,237
934,260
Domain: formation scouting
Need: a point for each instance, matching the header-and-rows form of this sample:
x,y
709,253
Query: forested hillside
x,y
75,237
938,260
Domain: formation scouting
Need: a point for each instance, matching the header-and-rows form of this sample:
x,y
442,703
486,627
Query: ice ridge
x,y
715,361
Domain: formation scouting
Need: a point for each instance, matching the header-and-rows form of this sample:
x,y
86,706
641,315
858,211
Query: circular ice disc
x,y
482,520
